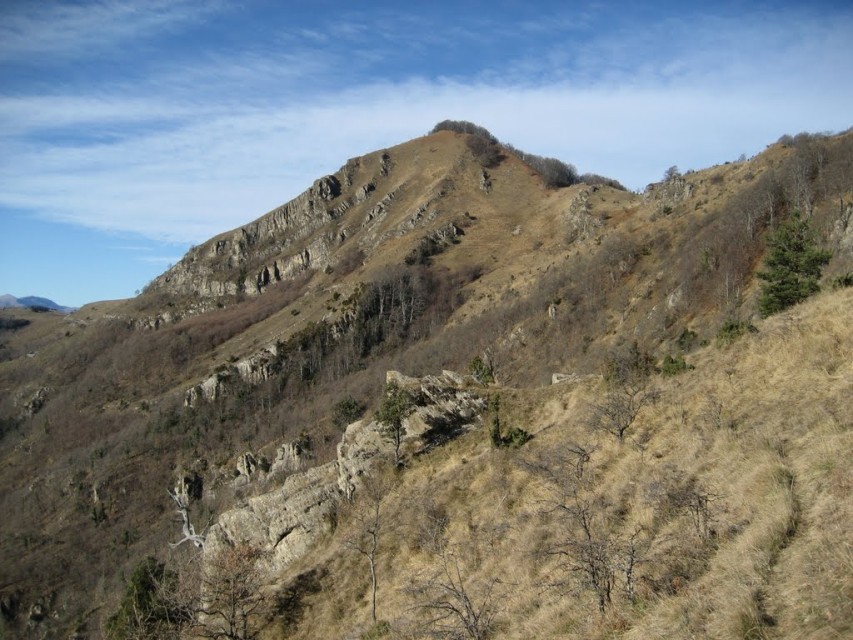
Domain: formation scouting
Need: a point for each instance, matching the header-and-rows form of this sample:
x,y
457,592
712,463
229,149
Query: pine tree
x,y
793,266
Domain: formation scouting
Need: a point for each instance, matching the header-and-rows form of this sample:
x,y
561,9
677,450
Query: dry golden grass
x,y
763,427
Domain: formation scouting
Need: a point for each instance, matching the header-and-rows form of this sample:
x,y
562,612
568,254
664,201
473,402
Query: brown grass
x,y
762,426
777,562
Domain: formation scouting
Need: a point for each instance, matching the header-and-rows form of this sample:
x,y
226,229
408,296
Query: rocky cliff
x,y
345,208
287,521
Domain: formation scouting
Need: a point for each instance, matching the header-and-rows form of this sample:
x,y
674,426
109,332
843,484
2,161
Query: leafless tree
x,y
231,599
634,552
697,502
582,455
587,549
367,515
619,408
455,606
589,552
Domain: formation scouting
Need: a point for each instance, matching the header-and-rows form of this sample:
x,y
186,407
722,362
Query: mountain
x,y
8,300
587,429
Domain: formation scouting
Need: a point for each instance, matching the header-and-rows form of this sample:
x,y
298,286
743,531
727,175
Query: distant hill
x,y
7,301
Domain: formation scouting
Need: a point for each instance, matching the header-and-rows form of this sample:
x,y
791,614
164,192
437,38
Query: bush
x,y
732,330
843,281
143,612
481,370
346,411
463,126
672,366
379,630
514,438
428,247
687,339
13,324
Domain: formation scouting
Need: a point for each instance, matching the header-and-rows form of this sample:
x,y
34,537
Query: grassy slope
x,y
99,430
763,426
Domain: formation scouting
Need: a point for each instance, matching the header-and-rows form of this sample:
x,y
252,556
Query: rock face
x,y
673,190
287,521
34,403
299,235
580,221
842,232
222,267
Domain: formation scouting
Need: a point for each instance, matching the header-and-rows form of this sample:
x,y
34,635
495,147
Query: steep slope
x,y
255,350
723,513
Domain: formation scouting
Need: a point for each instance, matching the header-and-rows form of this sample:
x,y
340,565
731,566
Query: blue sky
x,y
130,130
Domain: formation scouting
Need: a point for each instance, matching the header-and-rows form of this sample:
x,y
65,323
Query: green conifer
x,y
793,266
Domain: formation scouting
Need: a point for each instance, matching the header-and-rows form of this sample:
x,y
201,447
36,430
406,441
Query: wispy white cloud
x,y
158,260
204,147
84,29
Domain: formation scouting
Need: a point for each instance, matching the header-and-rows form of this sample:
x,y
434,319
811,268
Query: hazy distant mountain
x,y
8,300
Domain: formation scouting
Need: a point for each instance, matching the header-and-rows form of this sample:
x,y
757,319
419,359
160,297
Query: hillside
x,y
231,381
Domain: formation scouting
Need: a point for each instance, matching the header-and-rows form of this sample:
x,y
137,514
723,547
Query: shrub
x,y
13,324
346,411
428,247
687,339
379,630
516,437
481,370
843,281
732,330
672,366
144,611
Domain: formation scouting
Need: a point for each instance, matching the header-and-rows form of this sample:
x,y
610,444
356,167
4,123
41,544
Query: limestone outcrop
x,y
288,520
300,234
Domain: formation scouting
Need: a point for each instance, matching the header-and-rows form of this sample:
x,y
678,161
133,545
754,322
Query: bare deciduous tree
x,y
587,549
367,525
695,500
630,389
231,599
619,408
456,607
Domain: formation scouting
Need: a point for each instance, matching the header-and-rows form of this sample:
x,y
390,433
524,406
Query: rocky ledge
x,y
286,522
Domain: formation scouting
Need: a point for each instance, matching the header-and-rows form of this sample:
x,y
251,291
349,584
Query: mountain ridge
x,y
8,300
422,260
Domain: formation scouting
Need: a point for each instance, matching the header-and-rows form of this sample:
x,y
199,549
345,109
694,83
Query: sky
x,y
133,129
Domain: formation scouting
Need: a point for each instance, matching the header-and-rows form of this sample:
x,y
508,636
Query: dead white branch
x,y
188,529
